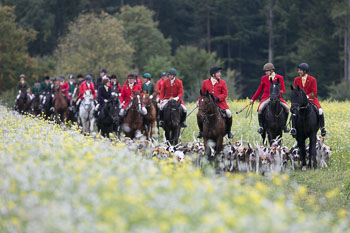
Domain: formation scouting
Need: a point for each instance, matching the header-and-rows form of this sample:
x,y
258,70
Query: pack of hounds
x,y
238,155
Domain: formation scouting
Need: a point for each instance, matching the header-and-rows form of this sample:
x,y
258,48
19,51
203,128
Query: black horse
x,y
305,121
108,120
172,121
47,105
22,104
35,105
274,115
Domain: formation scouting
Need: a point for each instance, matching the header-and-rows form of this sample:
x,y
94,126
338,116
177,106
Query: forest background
x,y
53,37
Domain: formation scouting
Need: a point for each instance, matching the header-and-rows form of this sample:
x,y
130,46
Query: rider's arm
x,y
162,91
181,90
313,87
282,89
223,94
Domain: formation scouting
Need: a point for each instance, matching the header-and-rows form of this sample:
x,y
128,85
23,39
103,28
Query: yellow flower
x,y
332,193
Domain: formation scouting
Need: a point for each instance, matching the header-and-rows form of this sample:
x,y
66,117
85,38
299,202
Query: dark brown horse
x,y
151,116
23,102
133,119
213,123
35,106
61,106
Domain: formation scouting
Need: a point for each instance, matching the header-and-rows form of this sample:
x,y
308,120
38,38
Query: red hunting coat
x,y
64,88
175,90
127,93
265,88
159,86
310,88
84,87
219,90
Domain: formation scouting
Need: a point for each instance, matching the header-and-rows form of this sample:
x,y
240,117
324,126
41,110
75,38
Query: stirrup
x,y
323,131
229,134
285,129
293,132
52,109
260,130
199,135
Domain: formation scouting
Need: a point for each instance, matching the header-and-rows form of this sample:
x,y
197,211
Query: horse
x,y
86,112
132,122
151,116
35,105
22,104
61,106
305,121
47,104
108,120
214,128
274,115
172,118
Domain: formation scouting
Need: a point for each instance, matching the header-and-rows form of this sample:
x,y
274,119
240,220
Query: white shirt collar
x,y
213,81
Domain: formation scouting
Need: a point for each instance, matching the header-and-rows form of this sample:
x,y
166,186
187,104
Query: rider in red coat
x,y
309,85
265,98
87,85
159,85
216,86
172,89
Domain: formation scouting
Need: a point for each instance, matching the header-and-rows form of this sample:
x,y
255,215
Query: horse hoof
x,y
303,168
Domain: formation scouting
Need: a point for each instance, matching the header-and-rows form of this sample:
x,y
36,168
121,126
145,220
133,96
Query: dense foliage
x,y
244,35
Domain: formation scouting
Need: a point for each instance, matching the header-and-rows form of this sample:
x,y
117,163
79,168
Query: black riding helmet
x,y
304,67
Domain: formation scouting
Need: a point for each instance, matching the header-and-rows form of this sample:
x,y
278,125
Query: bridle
x,y
206,112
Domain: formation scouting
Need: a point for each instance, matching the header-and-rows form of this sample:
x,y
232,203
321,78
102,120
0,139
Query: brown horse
x,y
61,106
133,119
151,116
22,104
213,123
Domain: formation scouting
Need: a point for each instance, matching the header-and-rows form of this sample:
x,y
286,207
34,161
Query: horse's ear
x,y
200,92
291,87
298,88
207,93
278,81
271,81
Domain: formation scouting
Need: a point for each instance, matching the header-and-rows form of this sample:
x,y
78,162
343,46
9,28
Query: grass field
x,y
59,181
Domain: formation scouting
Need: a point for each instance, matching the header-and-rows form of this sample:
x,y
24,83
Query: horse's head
x,y
206,102
113,108
274,90
147,100
87,94
298,98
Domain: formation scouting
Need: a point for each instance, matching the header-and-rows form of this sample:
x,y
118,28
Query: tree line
x,y
153,35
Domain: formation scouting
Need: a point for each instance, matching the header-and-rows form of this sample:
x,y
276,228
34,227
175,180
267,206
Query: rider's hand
x,y
176,98
251,102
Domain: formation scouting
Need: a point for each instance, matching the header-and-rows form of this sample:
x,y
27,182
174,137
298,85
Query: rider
x,y
71,84
22,84
103,75
115,84
86,85
36,90
160,84
309,85
172,89
104,94
148,86
138,80
264,87
127,93
216,86
64,88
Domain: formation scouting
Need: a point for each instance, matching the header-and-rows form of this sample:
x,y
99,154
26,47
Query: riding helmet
x,y
113,76
135,74
172,71
147,75
268,67
304,67
214,70
88,77
103,71
131,75
163,73
105,81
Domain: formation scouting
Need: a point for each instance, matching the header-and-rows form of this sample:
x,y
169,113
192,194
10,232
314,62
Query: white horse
x,y
86,113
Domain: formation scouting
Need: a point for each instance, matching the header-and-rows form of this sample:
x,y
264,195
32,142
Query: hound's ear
x,y
291,87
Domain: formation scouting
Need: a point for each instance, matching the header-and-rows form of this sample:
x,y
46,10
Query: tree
x,y
14,58
142,32
156,65
94,42
193,66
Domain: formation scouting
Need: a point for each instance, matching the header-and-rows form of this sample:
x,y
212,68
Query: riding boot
x,y
200,126
323,129
183,119
144,122
161,122
293,130
285,129
261,123
228,127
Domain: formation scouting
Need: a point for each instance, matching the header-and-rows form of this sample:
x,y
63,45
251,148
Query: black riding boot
x,y
228,127
293,130
285,129
144,122
161,122
323,129
183,119
200,126
261,123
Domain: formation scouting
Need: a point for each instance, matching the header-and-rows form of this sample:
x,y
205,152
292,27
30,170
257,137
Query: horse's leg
x,y
301,144
167,134
313,150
